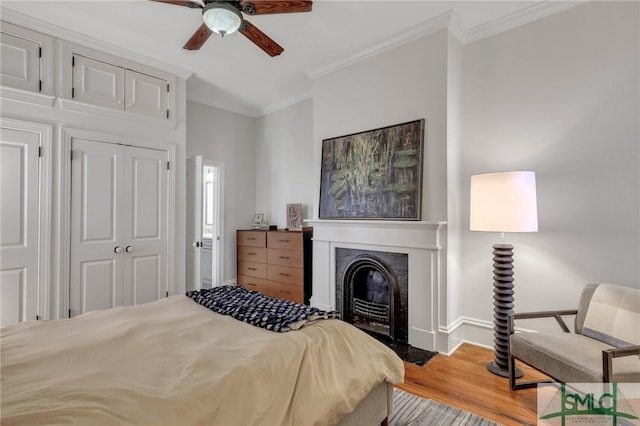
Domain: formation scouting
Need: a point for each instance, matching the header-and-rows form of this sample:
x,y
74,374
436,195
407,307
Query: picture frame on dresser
x,y
258,218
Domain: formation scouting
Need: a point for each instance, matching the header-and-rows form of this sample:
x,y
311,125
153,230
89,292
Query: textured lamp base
x,y
502,307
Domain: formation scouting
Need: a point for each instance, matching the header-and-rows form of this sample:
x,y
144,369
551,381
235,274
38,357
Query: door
x,y
194,222
97,83
205,183
19,217
212,219
118,225
19,63
145,218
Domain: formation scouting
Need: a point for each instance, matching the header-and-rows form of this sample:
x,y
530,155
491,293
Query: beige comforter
x,y
174,362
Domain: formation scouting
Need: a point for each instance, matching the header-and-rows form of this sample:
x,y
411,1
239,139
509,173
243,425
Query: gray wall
x,y
231,138
558,96
284,161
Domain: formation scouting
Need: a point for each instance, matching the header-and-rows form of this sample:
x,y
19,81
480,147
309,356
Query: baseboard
x,y
465,330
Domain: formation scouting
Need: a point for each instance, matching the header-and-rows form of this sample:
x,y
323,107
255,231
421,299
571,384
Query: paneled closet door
x,y
19,212
97,232
145,217
118,225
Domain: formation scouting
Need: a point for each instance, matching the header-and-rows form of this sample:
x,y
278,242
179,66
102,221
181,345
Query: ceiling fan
x,y
226,17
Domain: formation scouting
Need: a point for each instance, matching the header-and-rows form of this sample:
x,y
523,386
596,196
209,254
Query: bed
x,y
176,362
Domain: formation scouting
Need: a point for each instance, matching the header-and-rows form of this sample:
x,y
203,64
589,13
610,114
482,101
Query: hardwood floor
x,y
462,380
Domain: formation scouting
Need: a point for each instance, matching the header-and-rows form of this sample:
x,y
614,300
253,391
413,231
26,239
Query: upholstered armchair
x,y
605,345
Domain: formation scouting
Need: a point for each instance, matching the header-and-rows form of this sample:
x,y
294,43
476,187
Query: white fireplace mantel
x,y
420,240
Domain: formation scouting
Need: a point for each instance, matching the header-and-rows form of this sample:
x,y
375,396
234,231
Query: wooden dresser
x,y
276,263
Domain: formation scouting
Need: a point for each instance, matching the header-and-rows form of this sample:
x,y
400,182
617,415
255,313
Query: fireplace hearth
x,y
372,291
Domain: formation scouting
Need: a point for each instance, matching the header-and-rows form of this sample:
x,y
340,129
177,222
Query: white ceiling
x,y
234,74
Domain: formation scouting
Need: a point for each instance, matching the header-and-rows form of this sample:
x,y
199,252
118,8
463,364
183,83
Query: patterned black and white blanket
x,y
257,309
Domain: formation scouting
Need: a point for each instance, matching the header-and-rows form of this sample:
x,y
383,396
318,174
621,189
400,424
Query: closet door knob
x,y
118,249
129,249
196,244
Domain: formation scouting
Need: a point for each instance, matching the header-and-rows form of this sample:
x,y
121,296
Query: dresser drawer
x,y
285,240
285,257
285,274
252,238
253,254
252,283
285,291
252,269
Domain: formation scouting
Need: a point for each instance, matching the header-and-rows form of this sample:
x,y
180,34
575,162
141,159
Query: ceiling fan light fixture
x,y
222,18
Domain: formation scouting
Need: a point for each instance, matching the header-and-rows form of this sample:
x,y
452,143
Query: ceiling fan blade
x,y
265,7
260,39
186,3
198,38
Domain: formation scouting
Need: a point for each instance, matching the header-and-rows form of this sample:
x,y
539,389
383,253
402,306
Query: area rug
x,y
411,410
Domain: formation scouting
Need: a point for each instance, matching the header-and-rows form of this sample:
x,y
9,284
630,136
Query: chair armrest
x,y
542,314
609,354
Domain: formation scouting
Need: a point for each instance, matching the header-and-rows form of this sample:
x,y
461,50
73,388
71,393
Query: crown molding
x,y
287,102
227,107
428,27
451,21
78,38
517,19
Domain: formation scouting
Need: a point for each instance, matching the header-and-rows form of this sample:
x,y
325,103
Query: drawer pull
x,y
284,241
252,269
283,257
284,275
251,254
250,238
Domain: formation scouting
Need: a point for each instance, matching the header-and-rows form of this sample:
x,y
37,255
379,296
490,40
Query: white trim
x,y
251,112
81,107
423,29
65,34
470,330
293,100
20,95
517,19
45,162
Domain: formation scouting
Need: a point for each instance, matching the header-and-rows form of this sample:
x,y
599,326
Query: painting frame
x,y
373,175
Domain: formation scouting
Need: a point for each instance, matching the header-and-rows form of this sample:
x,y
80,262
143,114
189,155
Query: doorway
x,y
205,223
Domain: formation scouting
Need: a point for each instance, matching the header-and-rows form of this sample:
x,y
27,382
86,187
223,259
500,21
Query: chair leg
x,y
512,377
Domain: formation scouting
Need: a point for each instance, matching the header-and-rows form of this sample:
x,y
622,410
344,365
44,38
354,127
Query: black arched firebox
x,y
374,292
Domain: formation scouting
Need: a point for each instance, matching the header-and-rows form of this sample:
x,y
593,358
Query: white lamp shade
x,y
504,202
221,18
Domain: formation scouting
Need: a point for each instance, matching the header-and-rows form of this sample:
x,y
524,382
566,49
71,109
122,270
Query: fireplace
x,y
372,291
417,243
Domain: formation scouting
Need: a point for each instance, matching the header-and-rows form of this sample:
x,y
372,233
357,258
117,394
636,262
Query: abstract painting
x,y
375,174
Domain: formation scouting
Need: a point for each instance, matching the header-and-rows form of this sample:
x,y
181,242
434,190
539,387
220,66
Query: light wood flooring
x,y
463,381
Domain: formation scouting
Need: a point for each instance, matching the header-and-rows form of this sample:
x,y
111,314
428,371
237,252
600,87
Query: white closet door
x,y
19,63
98,83
146,94
145,217
97,235
18,225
